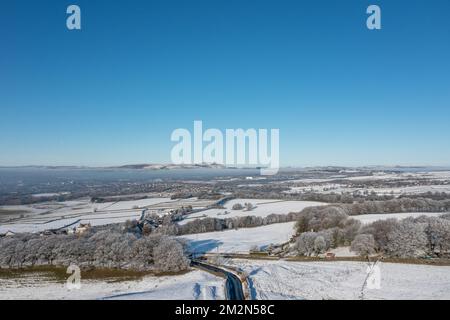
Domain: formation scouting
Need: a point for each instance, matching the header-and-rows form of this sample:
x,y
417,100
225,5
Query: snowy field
x,y
375,176
369,218
53,215
195,285
343,280
263,208
339,188
381,175
350,184
241,240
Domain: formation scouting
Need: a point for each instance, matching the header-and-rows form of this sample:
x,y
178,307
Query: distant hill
x,y
171,166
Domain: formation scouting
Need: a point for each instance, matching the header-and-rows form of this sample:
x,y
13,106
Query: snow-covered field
x,y
263,208
436,182
343,280
59,214
369,218
410,190
241,240
53,215
338,188
375,176
195,285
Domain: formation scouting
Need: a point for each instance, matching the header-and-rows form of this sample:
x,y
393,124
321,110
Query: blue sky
x,y
113,92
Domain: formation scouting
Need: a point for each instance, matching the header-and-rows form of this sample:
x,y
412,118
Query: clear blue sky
x,y
113,92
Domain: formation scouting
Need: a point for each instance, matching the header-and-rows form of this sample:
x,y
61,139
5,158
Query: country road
x,y
233,285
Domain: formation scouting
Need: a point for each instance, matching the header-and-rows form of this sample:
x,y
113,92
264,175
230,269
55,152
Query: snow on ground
x,y
195,285
343,280
369,218
263,208
380,176
339,188
53,215
343,252
375,176
410,190
132,204
241,240
433,174
351,184
105,219
43,195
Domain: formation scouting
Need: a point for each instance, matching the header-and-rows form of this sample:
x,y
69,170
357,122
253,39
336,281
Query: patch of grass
x,y
12,212
6,215
59,274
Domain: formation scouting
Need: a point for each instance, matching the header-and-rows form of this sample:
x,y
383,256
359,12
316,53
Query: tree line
x,y
345,197
321,229
110,247
400,205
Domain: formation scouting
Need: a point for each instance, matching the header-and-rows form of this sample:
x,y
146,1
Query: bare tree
x,y
305,243
438,235
380,230
237,206
320,245
407,240
364,245
169,256
248,206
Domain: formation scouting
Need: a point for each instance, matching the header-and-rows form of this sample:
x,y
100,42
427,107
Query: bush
x,y
237,206
248,206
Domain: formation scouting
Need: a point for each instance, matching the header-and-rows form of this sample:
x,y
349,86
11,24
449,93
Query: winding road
x,y
233,285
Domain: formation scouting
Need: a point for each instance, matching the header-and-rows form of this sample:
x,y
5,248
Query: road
x,y
233,285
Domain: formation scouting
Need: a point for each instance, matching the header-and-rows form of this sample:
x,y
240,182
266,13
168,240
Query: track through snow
x,y
194,285
343,280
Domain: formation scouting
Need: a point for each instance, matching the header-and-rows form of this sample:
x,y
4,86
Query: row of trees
x,y
346,198
279,194
429,195
247,206
109,247
409,238
396,206
322,228
314,218
216,224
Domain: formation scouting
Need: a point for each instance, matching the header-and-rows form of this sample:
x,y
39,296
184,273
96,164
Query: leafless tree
x,y
364,245
407,240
